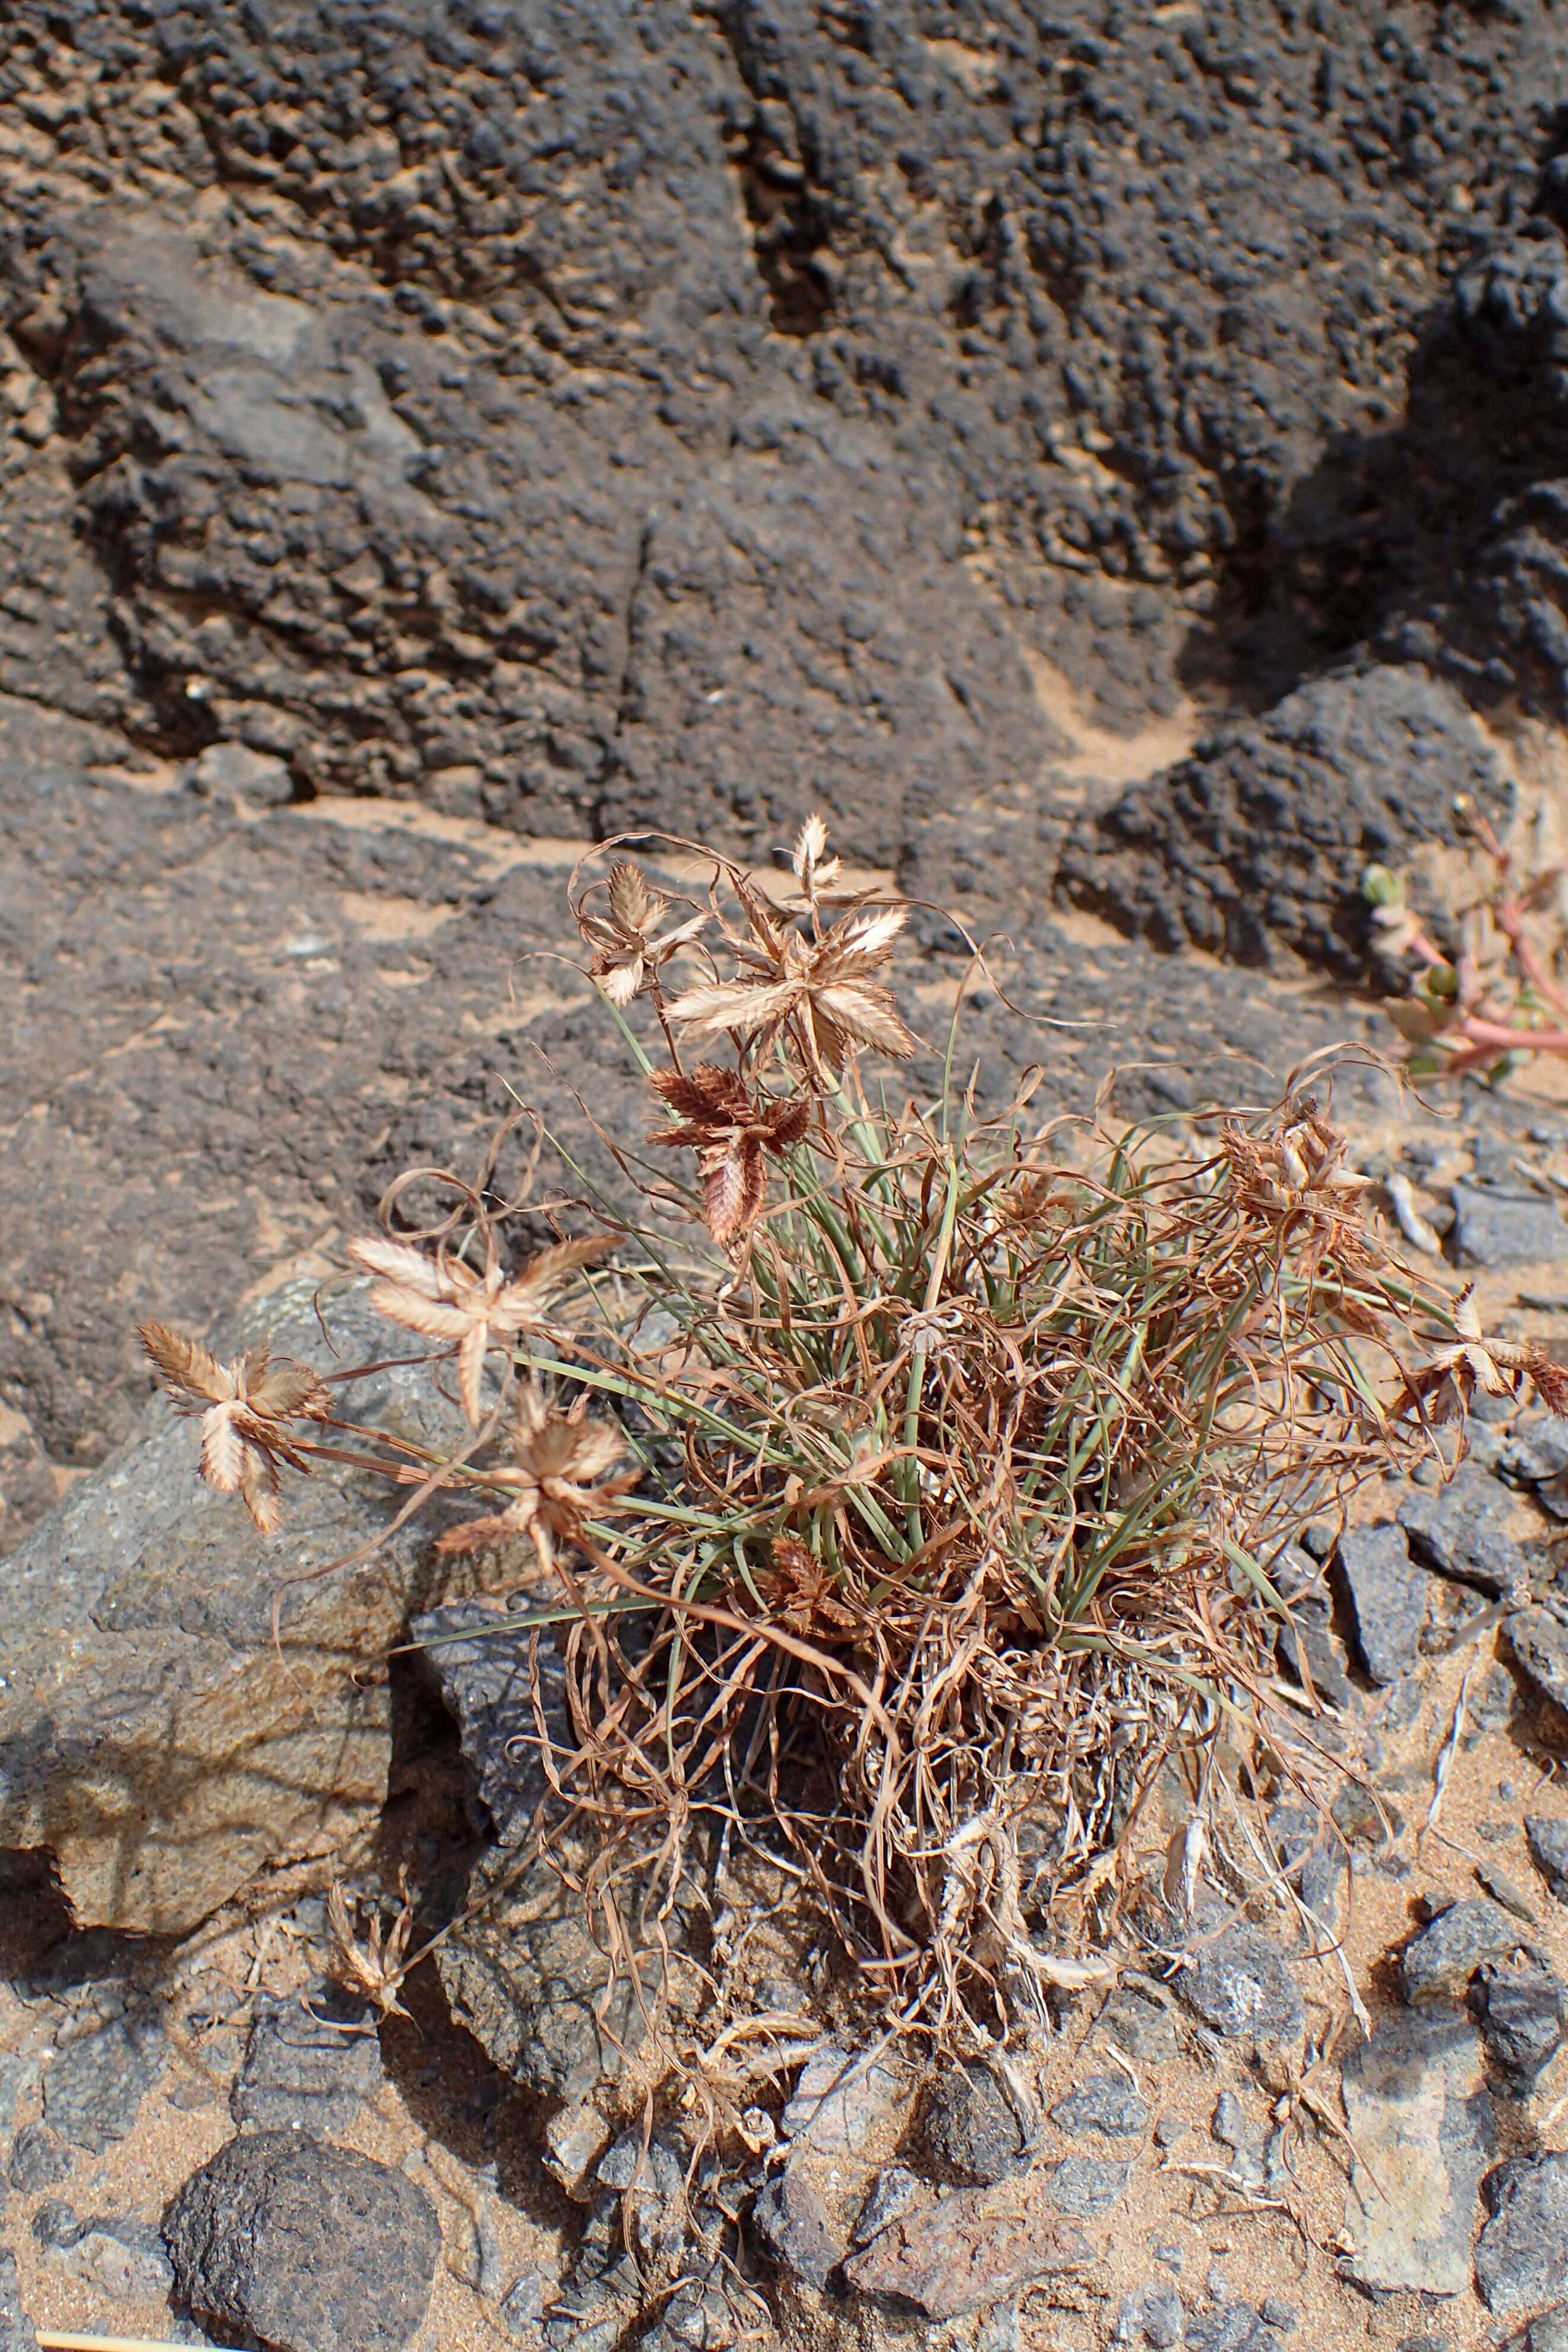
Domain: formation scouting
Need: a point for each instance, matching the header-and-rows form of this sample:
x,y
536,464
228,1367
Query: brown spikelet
x,y
553,1461
730,1131
375,1967
246,1408
629,951
444,1299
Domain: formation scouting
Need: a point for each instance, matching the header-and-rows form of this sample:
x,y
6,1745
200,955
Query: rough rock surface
x,y
1539,1646
99,2078
1388,1598
1263,834
1548,1843
1108,364
311,2247
963,2251
1496,1228
466,404
971,2127
310,2065
1087,2186
1105,2103
1521,2255
1522,2016
1458,1530
1421,2118
15,2329
528,1982
1241,1983
154,1738
1443,1959
486,1686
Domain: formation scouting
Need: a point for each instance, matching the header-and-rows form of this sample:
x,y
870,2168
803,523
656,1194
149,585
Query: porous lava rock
x,y
310,2249
1260,839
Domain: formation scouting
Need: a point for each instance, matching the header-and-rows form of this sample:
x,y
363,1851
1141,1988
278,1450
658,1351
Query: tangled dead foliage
x,y
950,1471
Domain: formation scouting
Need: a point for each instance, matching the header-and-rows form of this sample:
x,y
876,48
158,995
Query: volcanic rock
x,y
156,1740
309,2248
1421,2118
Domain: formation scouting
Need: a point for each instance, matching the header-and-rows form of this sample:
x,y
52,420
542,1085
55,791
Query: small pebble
x,y
1501,1889
37,2160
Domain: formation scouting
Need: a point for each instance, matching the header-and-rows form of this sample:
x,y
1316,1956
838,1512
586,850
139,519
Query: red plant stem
x,y
1511,922
1514,1041
1489,1038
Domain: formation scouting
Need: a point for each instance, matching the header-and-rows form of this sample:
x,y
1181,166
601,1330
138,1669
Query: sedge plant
x,y
888,1489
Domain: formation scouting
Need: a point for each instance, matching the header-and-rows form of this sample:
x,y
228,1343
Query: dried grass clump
x,y
905,1497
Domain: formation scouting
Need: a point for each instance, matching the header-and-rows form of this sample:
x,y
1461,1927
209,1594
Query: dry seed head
x,y
553,1461
444,1299
374,1967
1442,1388
246,1408
814,869
730,1131
627,951
818,991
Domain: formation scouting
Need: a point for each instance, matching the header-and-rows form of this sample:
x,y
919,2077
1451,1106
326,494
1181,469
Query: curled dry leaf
x,y
555,1460
818,991
374,1967
1070,1975
730,1131
627,945
444,1299
246,1409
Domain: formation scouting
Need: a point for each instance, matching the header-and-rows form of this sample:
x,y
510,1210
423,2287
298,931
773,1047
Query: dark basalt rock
x,y
1388,1597
98,2080
15,2329
1442,1960
1501,1229
312,2248
1523,2017
157,1739
969,2127
1540,1648
1521,2254
1548,1843
1241,1984
1260,839
1103,2103
310,2065
1458,1530
1087,2186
